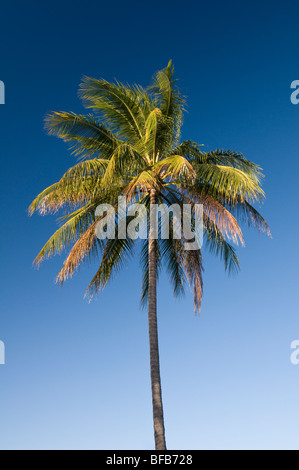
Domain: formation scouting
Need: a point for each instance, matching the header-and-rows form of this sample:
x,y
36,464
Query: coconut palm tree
x,y
130,146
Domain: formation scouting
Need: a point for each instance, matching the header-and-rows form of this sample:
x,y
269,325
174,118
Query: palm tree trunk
x,y
159,429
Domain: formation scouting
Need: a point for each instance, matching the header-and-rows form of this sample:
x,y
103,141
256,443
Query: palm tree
x,y
131,147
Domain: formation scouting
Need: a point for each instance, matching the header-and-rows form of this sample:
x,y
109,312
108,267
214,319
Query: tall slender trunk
x,y
159,429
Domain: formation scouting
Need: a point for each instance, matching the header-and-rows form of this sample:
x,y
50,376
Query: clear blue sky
x,y
77,374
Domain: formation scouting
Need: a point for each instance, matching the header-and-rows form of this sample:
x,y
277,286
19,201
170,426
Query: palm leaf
x,y
74,228
89,138
123,108
84,248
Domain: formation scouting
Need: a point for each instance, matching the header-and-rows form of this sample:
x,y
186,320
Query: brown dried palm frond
x,y
80,251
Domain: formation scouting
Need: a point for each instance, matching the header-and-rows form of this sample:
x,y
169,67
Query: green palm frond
x,y
184,265
142,183
171,103
175,166
79,185
124,108
246,213
151,128
231,182
116,253
77,223
89,138
233,159
188,149
217,245
37,203
124,162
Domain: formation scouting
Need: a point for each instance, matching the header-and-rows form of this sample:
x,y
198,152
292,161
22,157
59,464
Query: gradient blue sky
x,y
77,374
